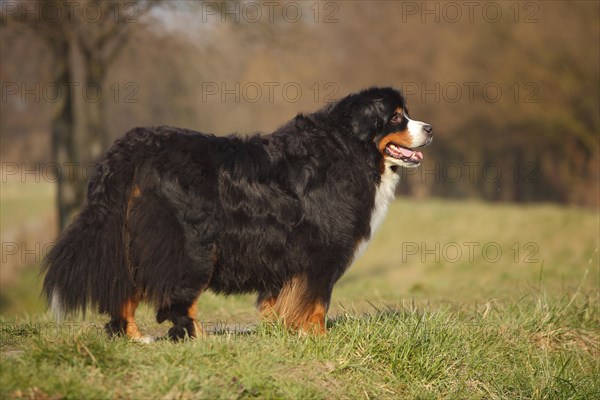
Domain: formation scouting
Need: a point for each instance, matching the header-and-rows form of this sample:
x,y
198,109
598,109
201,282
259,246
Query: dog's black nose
x,y
428,128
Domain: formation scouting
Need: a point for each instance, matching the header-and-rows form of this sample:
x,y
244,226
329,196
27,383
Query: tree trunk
x,y
64,152
93,110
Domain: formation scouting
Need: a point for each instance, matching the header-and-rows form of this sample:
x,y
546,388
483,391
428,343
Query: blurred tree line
x,y
514,102
82,41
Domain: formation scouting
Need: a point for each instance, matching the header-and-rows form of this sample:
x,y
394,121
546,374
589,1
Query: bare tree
x,y
84,38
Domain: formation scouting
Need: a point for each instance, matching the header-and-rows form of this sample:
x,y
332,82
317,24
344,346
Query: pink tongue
x,y
405,152
409,153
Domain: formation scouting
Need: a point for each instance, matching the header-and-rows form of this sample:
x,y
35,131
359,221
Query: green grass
x,y
533,350
23,200
402,325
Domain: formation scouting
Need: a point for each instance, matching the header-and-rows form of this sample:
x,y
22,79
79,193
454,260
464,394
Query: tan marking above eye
x,y
398,116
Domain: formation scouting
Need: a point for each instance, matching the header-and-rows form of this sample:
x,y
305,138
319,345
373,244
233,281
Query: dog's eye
x,y
396,119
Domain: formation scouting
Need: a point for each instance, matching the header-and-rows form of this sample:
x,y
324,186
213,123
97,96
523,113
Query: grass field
x,y
459,300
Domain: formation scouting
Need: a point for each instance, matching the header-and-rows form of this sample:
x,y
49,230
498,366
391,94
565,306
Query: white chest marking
x,y
383,197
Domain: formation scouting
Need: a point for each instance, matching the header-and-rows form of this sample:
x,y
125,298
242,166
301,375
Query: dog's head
x,y
380,116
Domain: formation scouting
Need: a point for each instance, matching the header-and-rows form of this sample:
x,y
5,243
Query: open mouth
x,y
403,153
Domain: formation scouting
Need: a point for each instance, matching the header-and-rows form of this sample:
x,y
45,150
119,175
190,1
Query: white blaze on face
x,y
417,133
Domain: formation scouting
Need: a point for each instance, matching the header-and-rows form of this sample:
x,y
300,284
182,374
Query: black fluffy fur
x,y
230,214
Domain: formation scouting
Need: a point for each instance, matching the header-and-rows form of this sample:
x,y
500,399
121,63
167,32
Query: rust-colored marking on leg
x,y
266,308
135,193
192,310
297,307
315,323
128,315
291,301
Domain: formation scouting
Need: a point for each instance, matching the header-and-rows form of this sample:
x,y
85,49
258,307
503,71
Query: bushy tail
x,y
88,266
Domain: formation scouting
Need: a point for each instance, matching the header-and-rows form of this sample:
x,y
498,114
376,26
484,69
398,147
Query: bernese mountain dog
x,y
171,213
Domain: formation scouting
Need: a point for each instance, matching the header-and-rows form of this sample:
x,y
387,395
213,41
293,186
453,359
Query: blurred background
x,y
512,90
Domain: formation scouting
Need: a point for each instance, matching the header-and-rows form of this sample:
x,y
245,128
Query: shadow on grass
x,y
277,327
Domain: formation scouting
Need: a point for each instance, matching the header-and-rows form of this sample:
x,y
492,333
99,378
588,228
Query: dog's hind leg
x,y
183,317
124,323
173,256
183,298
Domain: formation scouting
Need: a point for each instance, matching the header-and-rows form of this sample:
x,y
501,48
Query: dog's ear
x,y
367,118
